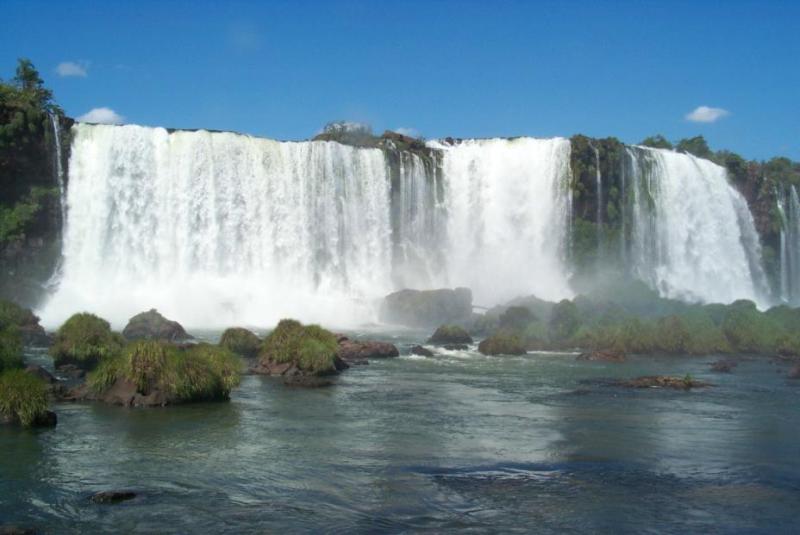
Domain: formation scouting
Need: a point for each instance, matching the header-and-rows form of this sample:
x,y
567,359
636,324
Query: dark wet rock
x,y
47,419
603,356
428,308
151,325
308,381
291,370
421,351
70,371
723,366
108,497
794,373
450,334
357,350
456,347
663,381
16,530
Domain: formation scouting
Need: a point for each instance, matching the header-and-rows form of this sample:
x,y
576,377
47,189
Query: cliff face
x,y
30,247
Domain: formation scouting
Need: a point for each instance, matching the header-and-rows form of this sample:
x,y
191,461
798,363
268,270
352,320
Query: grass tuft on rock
x,y
197,373
310,347
23,397
85,340
241,341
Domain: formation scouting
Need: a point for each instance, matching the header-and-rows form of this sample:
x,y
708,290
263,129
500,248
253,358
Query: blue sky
x,y
466,69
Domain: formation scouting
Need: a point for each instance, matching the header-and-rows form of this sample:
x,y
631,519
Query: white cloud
x,y
102,116
410,132
705,114
71,68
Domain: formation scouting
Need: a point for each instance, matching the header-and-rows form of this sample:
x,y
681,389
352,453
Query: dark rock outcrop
x,y
43,420
357,350
662,381
16,530
108,497
427,308
603,356
794,373
421,351
723,366
450,334
151,325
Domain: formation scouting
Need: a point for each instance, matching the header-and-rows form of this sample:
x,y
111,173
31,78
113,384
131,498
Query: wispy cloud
x,y
102,116
73,68
706,114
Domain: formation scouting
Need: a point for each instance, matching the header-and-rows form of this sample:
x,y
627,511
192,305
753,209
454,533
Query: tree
x,y
27,79
694,145
657,142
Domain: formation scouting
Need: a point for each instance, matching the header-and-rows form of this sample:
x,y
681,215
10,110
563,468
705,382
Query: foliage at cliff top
x,y
23,397
310,347
24,125
85,340
181,374
240,341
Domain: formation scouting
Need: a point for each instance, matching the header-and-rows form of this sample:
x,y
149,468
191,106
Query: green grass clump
x,y
502,343
10,346
197,373
85,340
240,341
311,348
450,334
23,397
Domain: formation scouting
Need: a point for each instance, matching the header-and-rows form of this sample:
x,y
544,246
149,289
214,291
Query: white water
x,y
598,199
219,228
789,210
693,236
59,165
508,210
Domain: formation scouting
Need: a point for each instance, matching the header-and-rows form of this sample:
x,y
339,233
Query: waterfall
x,y
692,234
598,200
508,210
59,165
220,228
789,211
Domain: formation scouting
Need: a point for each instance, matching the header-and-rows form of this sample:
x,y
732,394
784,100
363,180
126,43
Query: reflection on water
x,y
458,441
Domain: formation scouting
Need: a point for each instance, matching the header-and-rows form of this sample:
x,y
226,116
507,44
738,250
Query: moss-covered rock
x,y
427,308
294,349
502,343
84,340
23,399
450,334
32,333
156,373
241,341
151,325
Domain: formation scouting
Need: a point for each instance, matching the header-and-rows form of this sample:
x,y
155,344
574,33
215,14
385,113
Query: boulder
x,y
450,334
357,350
421,351
427,308
107,497
151,325
603,356
502,343
70,371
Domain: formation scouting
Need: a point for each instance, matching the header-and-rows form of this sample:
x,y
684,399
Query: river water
x,y
536,443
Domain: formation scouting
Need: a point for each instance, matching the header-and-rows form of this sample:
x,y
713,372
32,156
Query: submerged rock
x,y
662,381
723,366
421,351
151,325
16,530
603,356
794,373
456,347
428,308
450,334
112,496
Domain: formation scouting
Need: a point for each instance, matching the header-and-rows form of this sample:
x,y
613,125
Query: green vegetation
x,y
23,397
196,373
657,142
85,340
564,321
10,339
450,334
240,341
311,348
694,145
502,342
